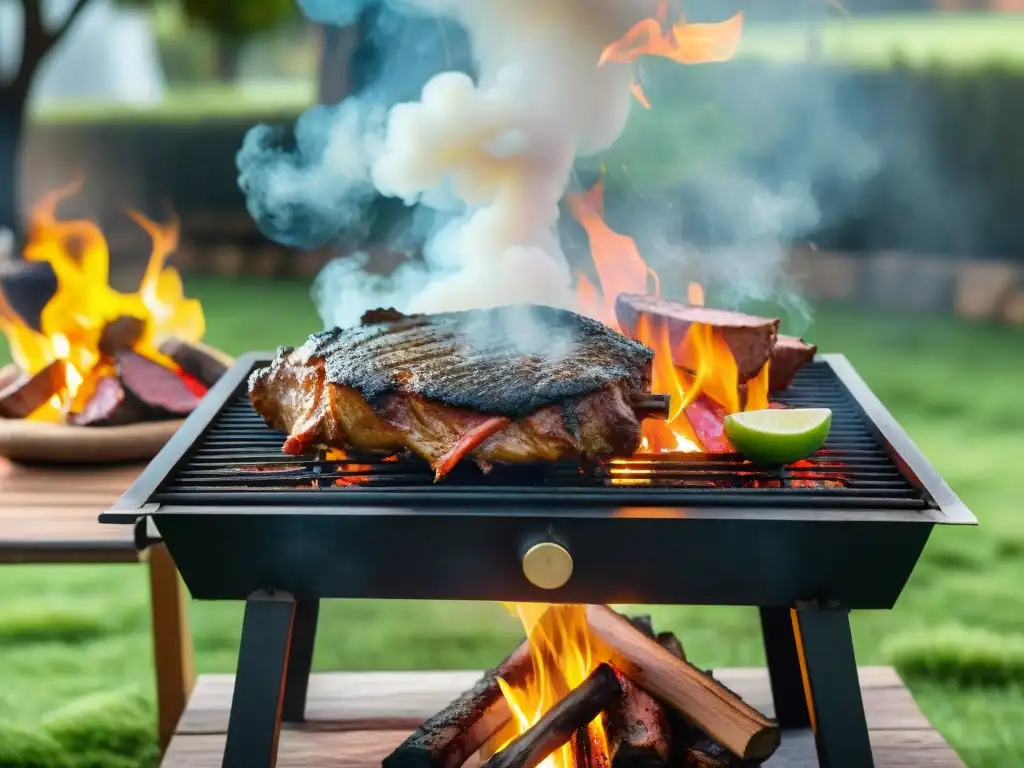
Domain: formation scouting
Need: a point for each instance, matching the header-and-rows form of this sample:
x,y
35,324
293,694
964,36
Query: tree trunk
x,y
229,59
12,127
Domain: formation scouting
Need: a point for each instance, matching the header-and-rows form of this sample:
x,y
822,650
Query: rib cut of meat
x,y
789,355
750,338
512,384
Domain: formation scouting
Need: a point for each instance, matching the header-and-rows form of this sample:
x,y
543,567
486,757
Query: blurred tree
x,y
37,41
233,22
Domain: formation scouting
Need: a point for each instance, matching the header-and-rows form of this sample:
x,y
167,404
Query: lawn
x,y
866,41
76,650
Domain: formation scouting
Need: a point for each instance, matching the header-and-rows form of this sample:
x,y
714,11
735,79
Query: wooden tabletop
x,y
49,514
355,719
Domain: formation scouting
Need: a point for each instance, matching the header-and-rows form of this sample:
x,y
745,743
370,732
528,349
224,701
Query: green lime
x,y
779,436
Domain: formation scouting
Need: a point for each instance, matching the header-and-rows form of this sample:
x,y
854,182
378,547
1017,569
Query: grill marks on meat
x,y
460,384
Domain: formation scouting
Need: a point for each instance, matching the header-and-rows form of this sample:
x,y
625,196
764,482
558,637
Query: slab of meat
x,y
514,384
789,355
750,338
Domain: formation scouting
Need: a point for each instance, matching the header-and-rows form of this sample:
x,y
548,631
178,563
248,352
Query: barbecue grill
x,y
805,544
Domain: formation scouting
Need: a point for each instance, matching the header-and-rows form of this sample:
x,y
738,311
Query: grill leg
x,y
300,660
784,668
254,724
829,668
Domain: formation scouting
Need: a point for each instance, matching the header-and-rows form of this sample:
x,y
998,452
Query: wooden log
x,y
450,737
571,713
160,388
106,404
198,360
706,753
671,643
588,747
700,698
638,727
24,394
749,338
121,334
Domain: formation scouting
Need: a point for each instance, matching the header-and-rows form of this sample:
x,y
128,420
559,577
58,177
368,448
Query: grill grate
x,y
238,460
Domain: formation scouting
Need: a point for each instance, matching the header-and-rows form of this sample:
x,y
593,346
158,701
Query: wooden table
x,y
354,719
49,515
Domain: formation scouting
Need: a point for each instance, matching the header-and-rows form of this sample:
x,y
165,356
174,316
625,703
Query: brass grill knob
x,y
547,565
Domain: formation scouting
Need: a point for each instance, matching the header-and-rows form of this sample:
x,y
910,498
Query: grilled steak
x,y
510,384
750,338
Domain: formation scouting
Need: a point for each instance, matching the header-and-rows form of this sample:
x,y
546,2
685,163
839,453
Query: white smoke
x,y
494,155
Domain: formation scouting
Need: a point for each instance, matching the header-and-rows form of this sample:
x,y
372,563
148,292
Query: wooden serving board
x,y
42,442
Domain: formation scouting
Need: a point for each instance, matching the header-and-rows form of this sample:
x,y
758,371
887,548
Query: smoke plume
x,y
474,114
489,156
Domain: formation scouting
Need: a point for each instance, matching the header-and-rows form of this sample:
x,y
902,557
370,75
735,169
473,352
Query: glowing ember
x,y
73,321
562,658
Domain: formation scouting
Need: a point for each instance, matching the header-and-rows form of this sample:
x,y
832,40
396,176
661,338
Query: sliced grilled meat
x,y
513,384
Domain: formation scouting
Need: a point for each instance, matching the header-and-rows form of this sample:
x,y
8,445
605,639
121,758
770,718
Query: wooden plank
x,y
366,749
356,701
49,514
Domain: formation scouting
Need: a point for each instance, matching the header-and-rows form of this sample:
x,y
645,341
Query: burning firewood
x,y
198,360
705,702
749,338
557,726
789,355
671,643
21,395
106,404
585,750
708,421
638,726
706,753
157,386
454,734
121,334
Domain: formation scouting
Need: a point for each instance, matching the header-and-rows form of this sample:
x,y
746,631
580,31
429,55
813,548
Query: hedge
x,y
910,159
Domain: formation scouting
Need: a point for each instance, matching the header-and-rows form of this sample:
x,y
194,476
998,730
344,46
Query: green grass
x,y
877,40
75,639
868,41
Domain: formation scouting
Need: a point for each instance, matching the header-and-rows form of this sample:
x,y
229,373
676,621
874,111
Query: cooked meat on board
x,y
514,384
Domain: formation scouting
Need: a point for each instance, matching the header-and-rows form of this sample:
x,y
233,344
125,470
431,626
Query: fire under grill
x,y
804,544
238,460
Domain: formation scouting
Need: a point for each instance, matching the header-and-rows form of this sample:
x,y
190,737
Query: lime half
x,y
779,436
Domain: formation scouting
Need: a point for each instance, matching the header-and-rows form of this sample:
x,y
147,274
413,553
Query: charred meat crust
x,y
476,359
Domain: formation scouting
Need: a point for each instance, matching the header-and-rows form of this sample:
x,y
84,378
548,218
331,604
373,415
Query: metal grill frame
x,y
804,569
623,552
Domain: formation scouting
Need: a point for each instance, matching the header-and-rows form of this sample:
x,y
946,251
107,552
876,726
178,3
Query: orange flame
x,y
73,319
616,258
701,363
562,658
682,42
